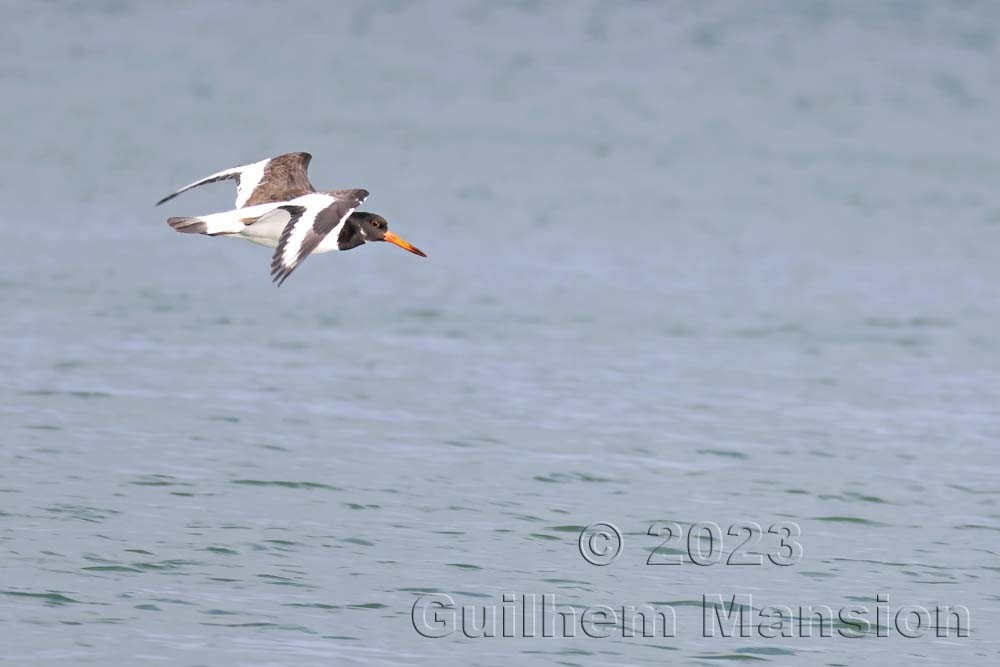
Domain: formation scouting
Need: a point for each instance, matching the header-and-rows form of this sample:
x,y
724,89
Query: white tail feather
x,y
227,222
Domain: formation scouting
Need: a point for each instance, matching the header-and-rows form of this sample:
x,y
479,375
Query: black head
x,y
372,227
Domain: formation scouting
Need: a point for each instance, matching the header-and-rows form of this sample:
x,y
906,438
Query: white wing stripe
x,y
250,177
298,235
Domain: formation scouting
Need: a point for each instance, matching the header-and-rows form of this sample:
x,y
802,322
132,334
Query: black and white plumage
x,y
277,206
313,223
275,179
307,223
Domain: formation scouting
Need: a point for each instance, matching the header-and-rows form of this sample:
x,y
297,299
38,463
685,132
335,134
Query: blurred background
x,y
689,261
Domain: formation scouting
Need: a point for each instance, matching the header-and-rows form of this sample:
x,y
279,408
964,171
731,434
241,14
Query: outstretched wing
x,y
276,179
308,225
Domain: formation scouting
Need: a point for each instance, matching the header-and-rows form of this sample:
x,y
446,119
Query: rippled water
x,y
688,262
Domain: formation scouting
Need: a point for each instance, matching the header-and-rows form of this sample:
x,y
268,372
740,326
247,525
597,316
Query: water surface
x,y
687,262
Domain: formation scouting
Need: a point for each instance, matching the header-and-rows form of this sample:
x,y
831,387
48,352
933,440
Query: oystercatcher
x,y
278,207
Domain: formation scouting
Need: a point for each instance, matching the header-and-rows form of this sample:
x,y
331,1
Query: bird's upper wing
x,y
276,179
308,225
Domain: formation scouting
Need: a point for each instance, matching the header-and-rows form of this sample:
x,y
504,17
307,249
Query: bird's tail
x,y
214,224
188,225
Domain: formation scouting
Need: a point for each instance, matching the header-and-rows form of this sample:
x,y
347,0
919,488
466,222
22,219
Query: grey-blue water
x,y
691,262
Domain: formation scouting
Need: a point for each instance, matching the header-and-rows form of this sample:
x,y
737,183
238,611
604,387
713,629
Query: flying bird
x,y
277,207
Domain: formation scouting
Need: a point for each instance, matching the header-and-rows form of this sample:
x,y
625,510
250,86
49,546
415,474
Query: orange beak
x,y
405,245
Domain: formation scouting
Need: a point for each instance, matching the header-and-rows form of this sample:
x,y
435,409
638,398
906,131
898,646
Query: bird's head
x,y
372,227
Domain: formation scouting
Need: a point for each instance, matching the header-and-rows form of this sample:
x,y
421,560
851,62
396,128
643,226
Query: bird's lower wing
x,y
308,226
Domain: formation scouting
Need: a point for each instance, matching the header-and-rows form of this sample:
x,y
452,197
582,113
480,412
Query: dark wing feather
x,y
285,178
214,178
